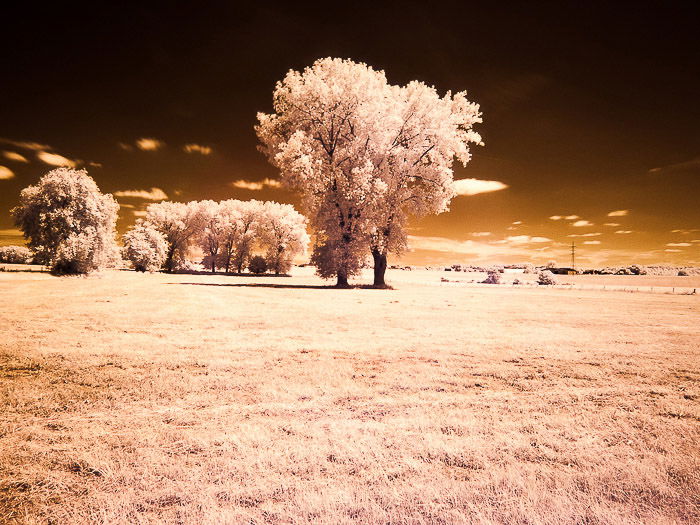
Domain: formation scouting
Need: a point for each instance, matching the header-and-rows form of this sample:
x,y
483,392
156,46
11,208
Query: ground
x,y
147,398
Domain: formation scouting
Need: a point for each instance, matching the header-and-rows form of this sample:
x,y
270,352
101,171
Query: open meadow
x,y
149,398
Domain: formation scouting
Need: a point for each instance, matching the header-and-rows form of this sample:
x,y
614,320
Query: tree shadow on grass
x,y
268,285
293,286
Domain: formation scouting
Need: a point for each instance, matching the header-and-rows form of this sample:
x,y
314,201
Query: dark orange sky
x,y
587,110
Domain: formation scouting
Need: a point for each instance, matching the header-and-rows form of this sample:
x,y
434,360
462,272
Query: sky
x,y
590,113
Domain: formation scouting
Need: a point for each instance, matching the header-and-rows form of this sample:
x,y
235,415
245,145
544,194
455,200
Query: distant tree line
x,y
71,227
226,232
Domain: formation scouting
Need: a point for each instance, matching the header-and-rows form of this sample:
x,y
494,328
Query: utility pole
x,y
573,252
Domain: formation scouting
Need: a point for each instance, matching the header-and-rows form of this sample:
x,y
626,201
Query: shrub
x,y
517,281
636,269
257,265
16,255
546,278
494,277
682,273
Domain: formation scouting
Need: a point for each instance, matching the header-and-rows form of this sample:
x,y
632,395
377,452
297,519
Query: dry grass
x,y
151,398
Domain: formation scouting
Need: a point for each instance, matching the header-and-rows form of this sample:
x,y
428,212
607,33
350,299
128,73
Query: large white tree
x,y
365,156
281,232
179,223
68,222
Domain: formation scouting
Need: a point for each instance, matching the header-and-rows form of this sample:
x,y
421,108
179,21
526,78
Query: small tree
x,y
493,277
257,265
68,222
212,235
546,278
281,231
145,247
551,264
179,223
242,235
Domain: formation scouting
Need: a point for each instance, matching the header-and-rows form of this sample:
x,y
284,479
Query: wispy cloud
x,y
255,185
526,239
197,148
10,232
154,194
149,144
11,155
672,250
582,223
618,213
6,173
32,146
140,213
613,224
623,232
476,186
688,165
54,159
685,232
584,235
679,244
564,217
591,242
480,234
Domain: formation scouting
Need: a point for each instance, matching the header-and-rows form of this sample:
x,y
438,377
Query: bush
x,y
16,255
517,281
546,278
682,273
494,277
257,265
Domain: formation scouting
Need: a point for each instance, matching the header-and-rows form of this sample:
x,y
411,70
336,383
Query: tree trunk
x,y
342,279
169,259
379,268
213,265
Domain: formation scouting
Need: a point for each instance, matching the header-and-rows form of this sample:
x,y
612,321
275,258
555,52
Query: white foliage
x,y
145,247
365,154
178,223
281,232
69,223
546,278
16,254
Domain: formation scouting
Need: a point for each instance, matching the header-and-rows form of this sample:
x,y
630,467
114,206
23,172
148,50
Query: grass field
x,y
129,398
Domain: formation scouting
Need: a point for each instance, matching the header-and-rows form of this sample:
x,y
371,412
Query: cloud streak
x,y
475,186
197,148
11,155
255,185
149,144
154,194
54,159
618,213
6,173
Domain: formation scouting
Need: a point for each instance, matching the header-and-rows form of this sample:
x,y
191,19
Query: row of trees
x,y
71,226
365,156
226,232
